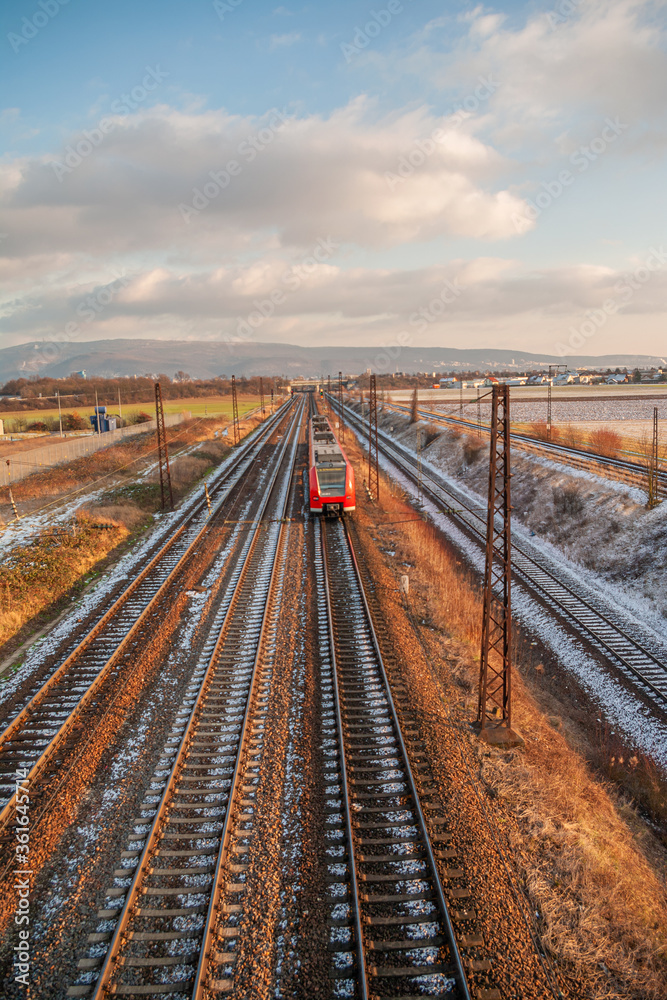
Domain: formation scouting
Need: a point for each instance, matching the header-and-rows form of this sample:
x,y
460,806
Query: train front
x,y
331,475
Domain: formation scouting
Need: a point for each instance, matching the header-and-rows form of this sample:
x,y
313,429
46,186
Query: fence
x,y
25,463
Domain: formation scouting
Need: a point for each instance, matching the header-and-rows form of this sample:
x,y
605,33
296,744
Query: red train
x,y
331,478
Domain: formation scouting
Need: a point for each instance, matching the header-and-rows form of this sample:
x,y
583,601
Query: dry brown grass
x,y
121,462
592,869
125,515
36,577
188,469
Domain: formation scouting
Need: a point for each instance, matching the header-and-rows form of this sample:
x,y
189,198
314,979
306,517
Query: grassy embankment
x,y
212,406
39,579
592,867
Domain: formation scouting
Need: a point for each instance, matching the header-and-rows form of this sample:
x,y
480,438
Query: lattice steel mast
x,y
652,466
373,463
340,407
235,414
494,708
163,453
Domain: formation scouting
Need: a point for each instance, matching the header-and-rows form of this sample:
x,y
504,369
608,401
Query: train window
x,y
331,480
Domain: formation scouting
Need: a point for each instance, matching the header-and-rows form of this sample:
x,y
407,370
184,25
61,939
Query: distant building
x,y
80,374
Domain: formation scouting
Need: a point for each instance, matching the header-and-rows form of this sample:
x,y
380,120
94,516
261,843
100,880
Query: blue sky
x,y
514,153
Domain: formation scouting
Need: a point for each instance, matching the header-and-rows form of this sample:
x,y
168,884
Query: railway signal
x,y
261,396
494,708
163,453
235,414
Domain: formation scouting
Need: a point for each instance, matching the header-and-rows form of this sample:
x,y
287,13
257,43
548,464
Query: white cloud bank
x,y
209,216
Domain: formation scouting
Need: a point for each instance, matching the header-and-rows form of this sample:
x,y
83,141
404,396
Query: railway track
x,y
391,927
626,645
177,900
623,470
44,730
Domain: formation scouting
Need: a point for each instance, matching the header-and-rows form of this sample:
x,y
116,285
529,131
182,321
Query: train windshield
x,y
331,481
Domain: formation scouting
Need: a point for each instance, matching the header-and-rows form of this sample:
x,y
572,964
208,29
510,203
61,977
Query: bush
x,y
568,500
139,418
538,430
571,436
37,425
605,442
75,422
473,448
429,434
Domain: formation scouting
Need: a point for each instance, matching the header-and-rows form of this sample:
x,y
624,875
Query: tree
x,y
414,409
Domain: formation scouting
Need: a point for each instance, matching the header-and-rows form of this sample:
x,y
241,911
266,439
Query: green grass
x,y
211,406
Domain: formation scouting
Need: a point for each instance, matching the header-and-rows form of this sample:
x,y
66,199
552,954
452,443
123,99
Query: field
x,y
197,406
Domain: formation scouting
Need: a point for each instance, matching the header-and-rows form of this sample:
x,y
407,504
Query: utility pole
x,y
120,408
479,414
652,466
60,415
461,398
340,406
163,453
553,369
97,413
373,465
494,707
261,396
11,495
235,413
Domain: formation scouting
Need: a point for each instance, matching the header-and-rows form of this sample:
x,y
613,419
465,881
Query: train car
x,y
331,476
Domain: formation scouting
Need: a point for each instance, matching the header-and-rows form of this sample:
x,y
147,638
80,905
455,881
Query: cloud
x,y
493,298
563,68
299,178
283,41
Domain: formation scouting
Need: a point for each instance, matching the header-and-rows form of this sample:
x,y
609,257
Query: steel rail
x,y
633,469
214,903
362,972
33,706
103,985
442,917
525,567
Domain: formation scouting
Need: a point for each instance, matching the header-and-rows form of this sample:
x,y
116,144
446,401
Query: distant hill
x,y
206,359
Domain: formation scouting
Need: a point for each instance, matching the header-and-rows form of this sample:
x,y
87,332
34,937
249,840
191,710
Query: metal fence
x,y
25,463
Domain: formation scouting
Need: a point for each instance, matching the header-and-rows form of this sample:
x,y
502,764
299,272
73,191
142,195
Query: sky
x,y
405,172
